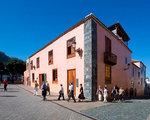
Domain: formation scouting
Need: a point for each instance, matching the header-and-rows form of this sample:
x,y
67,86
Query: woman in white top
x,y
105,94
100,93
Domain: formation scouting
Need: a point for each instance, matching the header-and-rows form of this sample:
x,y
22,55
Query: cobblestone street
x,y
128,110
18,104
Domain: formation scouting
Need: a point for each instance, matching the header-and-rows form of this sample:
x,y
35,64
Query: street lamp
x,y
127,67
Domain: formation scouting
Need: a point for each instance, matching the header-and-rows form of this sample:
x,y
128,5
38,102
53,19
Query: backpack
x,y
114,92
44,87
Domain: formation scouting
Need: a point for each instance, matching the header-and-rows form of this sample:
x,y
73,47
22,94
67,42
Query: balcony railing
x,y
110,58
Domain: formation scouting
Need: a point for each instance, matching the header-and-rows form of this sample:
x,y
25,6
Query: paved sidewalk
x,y
78,106
19,104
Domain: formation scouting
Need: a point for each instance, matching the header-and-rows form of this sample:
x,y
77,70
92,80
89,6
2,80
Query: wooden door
x,y
40,80
71,78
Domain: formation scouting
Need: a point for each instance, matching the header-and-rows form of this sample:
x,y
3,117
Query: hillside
x,y
4,58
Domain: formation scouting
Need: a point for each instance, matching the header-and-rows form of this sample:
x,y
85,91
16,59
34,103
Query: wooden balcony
x,y
110,58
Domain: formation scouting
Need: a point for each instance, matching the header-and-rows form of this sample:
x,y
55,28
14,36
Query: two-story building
x,y
88,53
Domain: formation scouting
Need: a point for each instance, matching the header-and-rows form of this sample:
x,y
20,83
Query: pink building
x,y
88,53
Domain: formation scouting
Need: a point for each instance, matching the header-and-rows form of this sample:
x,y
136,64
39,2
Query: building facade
x,y
138,77
88,53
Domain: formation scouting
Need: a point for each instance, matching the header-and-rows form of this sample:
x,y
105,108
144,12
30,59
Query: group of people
x,y
117,94
102,94
45,89
71,93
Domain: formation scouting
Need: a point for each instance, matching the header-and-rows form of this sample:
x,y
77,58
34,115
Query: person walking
x,y
5,85
105,94
114,94
71,92
48,88
36,88
81,95
44,90
121,94
99,93
61,92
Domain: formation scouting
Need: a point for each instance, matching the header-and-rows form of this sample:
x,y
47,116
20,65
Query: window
x,y
33,77
50,57
133,72
55,76
107,45
126,60
107,74
38,62
138,74
70,48
141,81
31,65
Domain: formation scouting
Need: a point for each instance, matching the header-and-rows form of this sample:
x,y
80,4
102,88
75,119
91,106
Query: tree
x,y
2,67
15,67
4,58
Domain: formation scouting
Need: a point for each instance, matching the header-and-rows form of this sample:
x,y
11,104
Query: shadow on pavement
x,y
8,96
12,88
126,101
12,91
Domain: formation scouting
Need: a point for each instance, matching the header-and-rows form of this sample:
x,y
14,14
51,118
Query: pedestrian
x,y
114,93
81,95
48,88
105,94
61,92
5,85
36,88
99,93
121,94
44,90
71,92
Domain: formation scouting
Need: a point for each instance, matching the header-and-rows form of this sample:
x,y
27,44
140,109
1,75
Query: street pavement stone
x,y
79,106
18,104
128,110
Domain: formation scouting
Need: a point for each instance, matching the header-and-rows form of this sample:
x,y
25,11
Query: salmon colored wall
x,y
26,75
60,60
120,77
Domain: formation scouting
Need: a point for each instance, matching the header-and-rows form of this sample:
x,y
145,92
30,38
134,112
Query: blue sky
x,y
27,25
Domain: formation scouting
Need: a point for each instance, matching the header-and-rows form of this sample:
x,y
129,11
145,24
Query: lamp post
x,y
127,67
